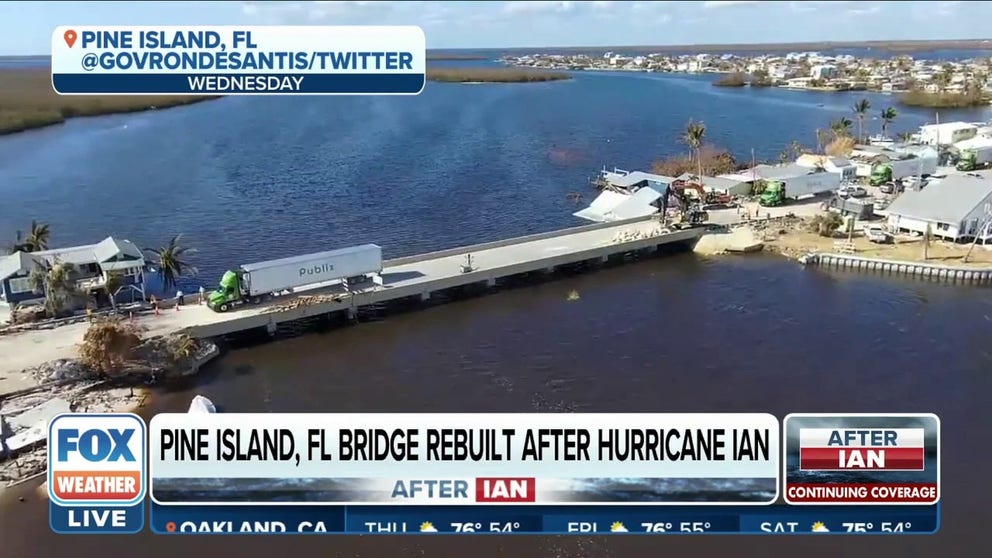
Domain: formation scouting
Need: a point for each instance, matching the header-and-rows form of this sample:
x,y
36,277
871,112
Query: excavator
x,y
690,214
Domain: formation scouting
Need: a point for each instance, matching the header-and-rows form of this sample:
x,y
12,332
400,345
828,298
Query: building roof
x,y
780,172
102,252
947,127
812,160
948,200
636,177
614,206
110,248
16,263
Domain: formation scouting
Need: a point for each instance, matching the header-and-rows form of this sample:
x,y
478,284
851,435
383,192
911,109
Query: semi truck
x,y
253,283
773,194
902,168
974,159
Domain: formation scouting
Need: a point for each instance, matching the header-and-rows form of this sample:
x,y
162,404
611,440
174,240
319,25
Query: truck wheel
x,y
256,300
224,307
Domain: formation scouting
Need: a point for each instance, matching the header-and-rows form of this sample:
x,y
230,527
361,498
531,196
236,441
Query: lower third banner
x,y
465,459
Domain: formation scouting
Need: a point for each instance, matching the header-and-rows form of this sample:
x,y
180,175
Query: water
x,y
677,334
253,178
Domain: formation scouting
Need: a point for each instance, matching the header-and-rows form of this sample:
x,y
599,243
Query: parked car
x,y
852,192
878,234
891,188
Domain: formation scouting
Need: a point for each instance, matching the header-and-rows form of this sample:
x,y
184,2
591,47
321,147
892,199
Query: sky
x,y
26,27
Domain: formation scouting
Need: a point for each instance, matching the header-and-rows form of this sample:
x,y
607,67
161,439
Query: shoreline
x,y
47,120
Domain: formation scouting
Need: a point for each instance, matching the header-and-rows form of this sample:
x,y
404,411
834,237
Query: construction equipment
x,y
773,194
690,214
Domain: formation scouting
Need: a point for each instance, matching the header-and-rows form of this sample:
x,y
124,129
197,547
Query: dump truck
x,y
253,283
773,194
974,159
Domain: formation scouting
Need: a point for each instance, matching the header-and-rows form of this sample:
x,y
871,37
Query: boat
x,y
201,404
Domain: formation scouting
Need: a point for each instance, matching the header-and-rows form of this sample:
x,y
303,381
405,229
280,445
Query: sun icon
x,y
617,527
819,527
428,527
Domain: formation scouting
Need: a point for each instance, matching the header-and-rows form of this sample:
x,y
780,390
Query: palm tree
x,y
861,109
56,282
37,239
888,115
693,137
841,127
170,262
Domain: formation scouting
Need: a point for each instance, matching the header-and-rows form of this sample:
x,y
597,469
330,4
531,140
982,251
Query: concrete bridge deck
x,y
411,276
424,274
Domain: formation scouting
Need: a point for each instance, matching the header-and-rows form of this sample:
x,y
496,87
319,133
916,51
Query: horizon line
x,y
885,43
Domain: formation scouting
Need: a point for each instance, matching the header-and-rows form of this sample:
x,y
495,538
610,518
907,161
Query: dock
x,y
424,276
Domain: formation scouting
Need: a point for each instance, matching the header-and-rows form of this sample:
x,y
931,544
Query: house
x,y
724,184
633,181
823,71
947,133
956,208
616,206
93,265
840,165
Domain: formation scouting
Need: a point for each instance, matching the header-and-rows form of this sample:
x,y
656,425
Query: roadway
x,y
402,277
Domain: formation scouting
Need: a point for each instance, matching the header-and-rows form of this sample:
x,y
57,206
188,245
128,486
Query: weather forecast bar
x,y
612,520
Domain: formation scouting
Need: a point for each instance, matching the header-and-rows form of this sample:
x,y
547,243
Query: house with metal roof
x,y
956,208
92,266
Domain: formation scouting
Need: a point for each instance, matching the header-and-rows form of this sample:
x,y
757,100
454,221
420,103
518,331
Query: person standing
x,y
179,298
202,294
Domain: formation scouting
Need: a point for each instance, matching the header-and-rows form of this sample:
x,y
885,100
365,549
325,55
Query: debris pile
x,y
303,302
631,235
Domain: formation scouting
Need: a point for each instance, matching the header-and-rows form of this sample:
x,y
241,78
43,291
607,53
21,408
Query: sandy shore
x,y
26,349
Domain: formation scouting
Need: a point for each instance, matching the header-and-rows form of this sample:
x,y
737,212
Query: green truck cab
x,y
228,293
968,161
881,174
773,194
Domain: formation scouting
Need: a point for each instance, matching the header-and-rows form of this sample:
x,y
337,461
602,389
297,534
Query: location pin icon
x,y
70,38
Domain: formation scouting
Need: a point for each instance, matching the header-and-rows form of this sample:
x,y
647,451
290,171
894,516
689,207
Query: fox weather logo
x,y
96,467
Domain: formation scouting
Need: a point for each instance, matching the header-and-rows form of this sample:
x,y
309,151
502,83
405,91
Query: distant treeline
x,y
493,75
922,98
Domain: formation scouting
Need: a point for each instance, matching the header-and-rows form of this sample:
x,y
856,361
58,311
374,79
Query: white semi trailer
x,y
252,283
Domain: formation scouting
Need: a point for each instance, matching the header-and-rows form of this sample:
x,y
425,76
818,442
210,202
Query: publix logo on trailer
x,y
317,269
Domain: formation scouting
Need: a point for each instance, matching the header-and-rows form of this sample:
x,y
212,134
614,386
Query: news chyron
x,y
495,473
239,60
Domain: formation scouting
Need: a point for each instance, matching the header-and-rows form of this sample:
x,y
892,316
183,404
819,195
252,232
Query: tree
x,y
791,152
107,345
841,127
888,115
37,239
693,137
57,283
826,224
861,109
171,263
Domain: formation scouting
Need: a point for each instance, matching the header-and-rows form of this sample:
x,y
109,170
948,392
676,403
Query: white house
x,y
947,133
823,71
840,165
956,208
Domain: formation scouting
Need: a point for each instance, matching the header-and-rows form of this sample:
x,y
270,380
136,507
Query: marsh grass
x,y
27,101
